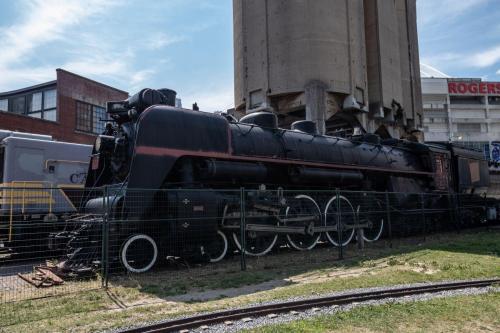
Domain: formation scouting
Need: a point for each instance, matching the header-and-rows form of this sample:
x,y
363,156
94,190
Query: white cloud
x,y
141,76
46,21
480,59
485,58
161,40
443,11
95,66
442,60
11,79
498,72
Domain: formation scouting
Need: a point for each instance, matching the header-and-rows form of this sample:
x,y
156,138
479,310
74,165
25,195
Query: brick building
x,y
69,108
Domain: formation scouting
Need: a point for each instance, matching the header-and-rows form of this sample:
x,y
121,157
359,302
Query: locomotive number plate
x,y
198,208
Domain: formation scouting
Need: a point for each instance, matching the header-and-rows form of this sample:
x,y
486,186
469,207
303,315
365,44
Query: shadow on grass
x,y
209,282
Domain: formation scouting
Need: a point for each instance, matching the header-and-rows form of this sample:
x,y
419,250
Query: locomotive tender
x,y
163,150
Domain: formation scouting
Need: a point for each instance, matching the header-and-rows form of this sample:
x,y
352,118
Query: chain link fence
x,y
55,241
36,222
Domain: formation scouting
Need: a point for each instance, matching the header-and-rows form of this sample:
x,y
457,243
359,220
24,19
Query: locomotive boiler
x,y
174,174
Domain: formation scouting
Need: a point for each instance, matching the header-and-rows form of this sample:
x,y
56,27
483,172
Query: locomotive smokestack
x,y
170,96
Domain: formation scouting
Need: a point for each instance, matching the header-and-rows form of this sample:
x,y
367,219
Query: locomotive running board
x,y
270,228
334,227
303,230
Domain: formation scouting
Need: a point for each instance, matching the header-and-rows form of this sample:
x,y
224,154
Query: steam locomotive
x,y
156,147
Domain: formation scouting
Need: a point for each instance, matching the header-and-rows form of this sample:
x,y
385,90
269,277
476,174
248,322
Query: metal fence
x,y
55,241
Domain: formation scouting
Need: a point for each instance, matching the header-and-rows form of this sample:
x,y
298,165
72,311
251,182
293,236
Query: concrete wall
x,y
393,61
283,46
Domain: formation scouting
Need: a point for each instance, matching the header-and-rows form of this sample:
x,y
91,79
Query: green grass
x,y
155,296
480,313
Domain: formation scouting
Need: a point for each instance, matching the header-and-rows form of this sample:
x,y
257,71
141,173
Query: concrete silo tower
x,y
310,59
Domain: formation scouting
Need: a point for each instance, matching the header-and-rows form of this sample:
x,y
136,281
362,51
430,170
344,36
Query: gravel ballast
x,y
238,325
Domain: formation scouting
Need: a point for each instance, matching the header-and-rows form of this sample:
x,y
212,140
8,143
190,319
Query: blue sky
x,y
187,44
460,37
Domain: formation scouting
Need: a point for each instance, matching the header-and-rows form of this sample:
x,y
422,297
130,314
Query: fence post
x,y
422,209
459,212
360,232
485,208
388,212
105,239
451,211
339,225
243,230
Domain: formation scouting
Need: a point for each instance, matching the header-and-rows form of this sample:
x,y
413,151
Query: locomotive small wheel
x,y
376,225
219,248
257,243
347,218
139,253
301,206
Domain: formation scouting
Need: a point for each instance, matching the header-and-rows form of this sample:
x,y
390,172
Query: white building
x,y
463,111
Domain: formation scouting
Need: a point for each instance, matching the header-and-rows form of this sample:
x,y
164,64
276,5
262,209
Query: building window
x,y
466,100
4,105
36,102
41,105
50,115
35,105
49,99
492,100
99,114
89,118
19,105
468,127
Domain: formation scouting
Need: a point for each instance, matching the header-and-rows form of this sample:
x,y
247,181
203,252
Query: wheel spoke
x,y
303,206
347,219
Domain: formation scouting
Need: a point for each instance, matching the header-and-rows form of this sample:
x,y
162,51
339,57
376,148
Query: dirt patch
x,y
421,268
324,276
209,295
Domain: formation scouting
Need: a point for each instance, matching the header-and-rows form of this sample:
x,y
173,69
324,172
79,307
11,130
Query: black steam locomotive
x,y
156,147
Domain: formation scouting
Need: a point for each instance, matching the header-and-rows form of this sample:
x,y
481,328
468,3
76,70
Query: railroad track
x,y
263,310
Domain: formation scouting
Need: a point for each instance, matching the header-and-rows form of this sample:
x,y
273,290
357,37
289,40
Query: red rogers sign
x,y
473,88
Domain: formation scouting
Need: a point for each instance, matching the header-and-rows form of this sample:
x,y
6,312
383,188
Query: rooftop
x,y
53,84
28,89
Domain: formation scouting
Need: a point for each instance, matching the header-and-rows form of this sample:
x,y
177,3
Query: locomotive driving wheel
x,y
217,250
257,243
347,220
374,218
304,212
259,240
139,253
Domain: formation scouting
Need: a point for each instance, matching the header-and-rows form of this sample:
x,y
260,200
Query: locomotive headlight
x,y
104,143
